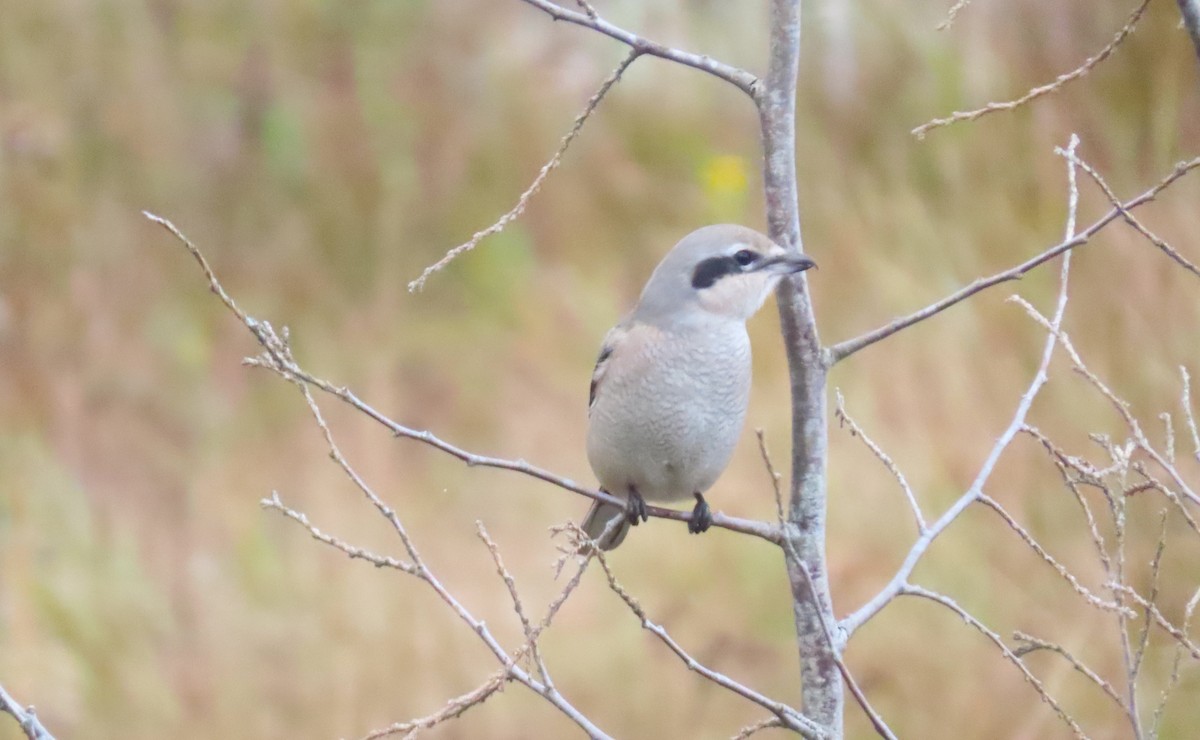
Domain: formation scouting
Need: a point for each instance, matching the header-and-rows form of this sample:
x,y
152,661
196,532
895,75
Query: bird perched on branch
x,y
672,381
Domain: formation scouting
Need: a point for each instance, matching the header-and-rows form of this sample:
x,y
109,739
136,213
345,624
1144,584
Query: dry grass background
x,y
322,153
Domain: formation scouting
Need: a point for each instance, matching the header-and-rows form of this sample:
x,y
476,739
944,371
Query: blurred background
x,y
322,153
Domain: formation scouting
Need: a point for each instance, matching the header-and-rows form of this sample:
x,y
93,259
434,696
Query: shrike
x,y
671,384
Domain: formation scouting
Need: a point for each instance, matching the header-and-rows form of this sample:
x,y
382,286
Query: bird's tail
x,y
597,520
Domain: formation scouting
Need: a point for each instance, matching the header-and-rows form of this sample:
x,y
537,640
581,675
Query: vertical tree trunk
x,y
821,681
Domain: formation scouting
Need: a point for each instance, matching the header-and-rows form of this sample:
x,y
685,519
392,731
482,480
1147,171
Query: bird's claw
x,y
635,508
701,518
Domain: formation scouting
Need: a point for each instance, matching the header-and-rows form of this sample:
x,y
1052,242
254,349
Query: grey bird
x,y
671,384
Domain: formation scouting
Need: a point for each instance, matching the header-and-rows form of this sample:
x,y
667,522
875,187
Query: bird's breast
x,y
669,416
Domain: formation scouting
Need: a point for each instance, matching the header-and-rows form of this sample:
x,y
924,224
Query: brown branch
x,y
1038,92
739,78
542,174
277,358
842,350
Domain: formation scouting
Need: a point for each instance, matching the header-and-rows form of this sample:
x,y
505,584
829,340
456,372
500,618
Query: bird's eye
x,y
744,257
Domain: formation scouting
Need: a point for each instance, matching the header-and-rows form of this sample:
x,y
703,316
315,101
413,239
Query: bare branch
x,y
1121,406
952,605
1155,565
1132,220
542,174
808,574
757,727
278,359
1038,92
836,642
511,584
842,350
788,716
952,14
1069,577
1033,644
351,551
1178,633
1176,663
511,671
26,717
856,431
1186,402
900,580
739,78
453,708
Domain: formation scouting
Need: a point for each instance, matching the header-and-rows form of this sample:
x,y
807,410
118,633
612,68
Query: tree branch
x,y
807,574
787,716
966,616
530,191
842,350
1046,89
900,581
739,78
26,717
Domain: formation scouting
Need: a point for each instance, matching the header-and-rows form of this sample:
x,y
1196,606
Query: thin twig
x,y
511,584
740,78
1033,544
1176,663
1165,624
423,573
856,431
952,605
788,716
899,581
844,349
1121,406
1155,565
1037,92
1186,402
757,727
1133,220
26,717
1034,643
837,642
542,174
952,14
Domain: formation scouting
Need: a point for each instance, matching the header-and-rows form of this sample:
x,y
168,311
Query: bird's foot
x,y
701,518
635,508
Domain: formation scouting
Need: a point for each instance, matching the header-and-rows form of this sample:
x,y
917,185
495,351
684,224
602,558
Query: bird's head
x,y
723,270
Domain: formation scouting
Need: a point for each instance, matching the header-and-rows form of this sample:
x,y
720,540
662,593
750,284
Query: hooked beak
x,y
787,264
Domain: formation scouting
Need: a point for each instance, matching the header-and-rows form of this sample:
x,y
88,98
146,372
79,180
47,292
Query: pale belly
x,y
670,429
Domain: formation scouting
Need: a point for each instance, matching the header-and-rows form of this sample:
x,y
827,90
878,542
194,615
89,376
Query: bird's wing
x,y
612,343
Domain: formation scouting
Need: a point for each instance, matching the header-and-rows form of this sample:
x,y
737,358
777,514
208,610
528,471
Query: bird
x,y
672,381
